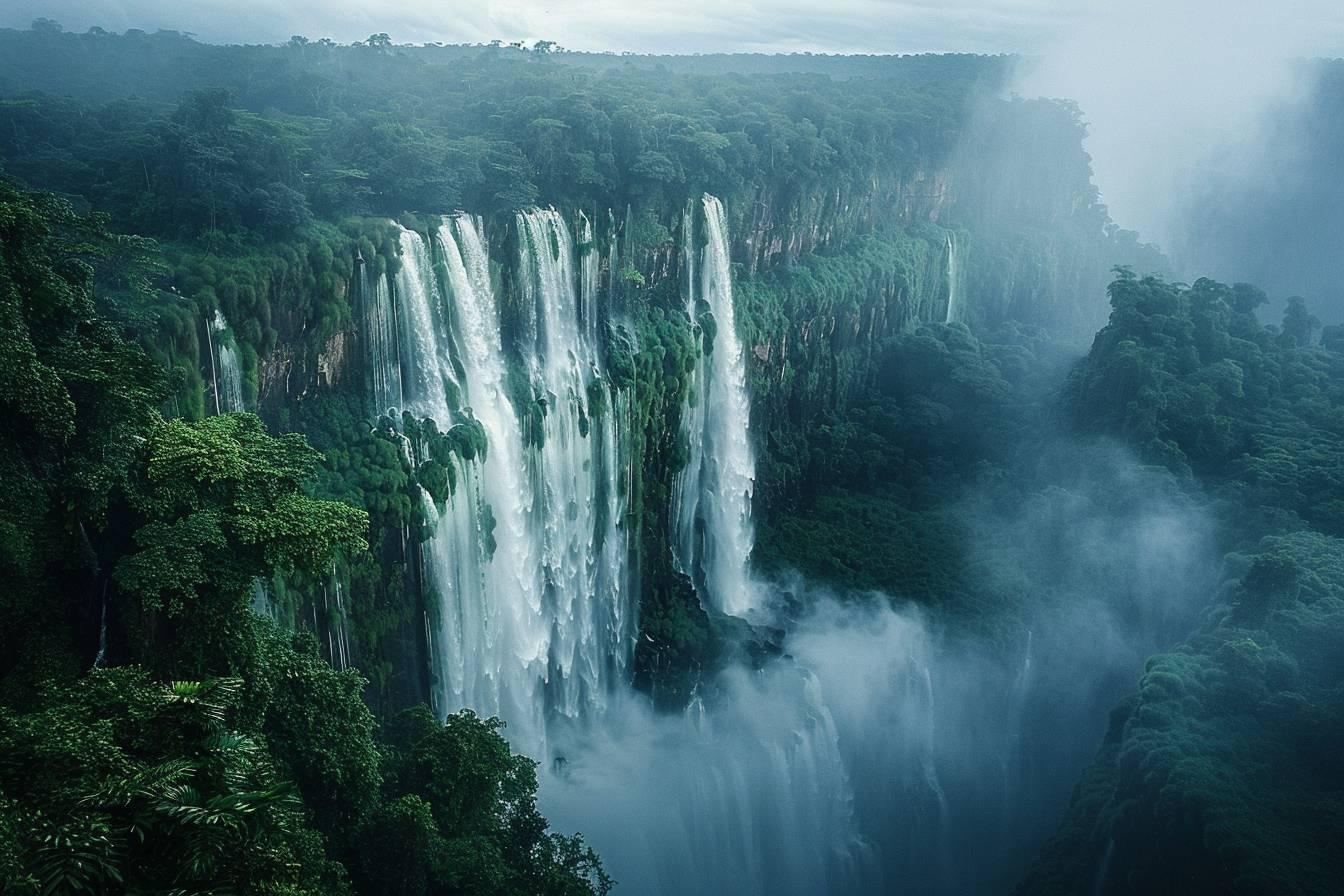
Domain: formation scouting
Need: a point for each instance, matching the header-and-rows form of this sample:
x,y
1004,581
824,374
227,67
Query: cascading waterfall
x,y
712,525
429,381
100,658
590,274
954,310
611,578
574,472
748,796
529,562
381,357
337,621
228,374
456,557
494,635
262,604
752,793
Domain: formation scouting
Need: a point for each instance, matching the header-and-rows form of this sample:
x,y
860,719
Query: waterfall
x,y
382,360
711,509
262,604
228,375
532,613
954,309
590,274
611,578
100,658
337,621
869,753
496,637
429,381
1104,868
575,470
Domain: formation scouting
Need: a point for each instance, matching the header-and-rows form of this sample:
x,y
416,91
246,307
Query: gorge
x,y
532,594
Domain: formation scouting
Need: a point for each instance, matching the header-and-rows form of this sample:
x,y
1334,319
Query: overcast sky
x,y
889,26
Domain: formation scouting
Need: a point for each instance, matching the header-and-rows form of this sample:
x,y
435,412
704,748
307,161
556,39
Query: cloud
x,y
676,26
1172,89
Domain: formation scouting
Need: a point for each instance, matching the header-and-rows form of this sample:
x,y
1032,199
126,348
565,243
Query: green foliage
x,y
362,463
458,793
322,734
1192,379
263,137
1221,777
76,396
221,504
120,783
868,542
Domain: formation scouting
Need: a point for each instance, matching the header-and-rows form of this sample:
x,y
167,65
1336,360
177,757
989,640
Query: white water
x,y
381,356
494,655
818,774
712,525
954,300
575,473
749,795
228,374
337,620
529,563
428,378
590,274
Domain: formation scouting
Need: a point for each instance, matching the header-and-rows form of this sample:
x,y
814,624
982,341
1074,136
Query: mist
x,y
1196,115
893,748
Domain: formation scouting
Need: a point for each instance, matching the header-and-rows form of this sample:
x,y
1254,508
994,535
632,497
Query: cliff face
x,y
773,228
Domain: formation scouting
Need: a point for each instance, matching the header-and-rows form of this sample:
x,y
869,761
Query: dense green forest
x,y
915,261
1219,776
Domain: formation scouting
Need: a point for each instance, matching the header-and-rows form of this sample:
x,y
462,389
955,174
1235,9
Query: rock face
x,y
773,229
280,379
333,360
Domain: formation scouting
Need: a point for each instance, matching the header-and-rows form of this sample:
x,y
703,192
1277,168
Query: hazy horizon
x,y
1027,27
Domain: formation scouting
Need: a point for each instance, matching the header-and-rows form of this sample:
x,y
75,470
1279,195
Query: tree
x,y
221,504
457,788
77,398
142,787
1299,324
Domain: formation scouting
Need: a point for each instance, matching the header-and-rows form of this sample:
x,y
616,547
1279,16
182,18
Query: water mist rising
x,y
880,752
876,753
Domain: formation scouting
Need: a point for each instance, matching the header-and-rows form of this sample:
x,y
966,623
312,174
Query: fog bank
x,y
887,750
